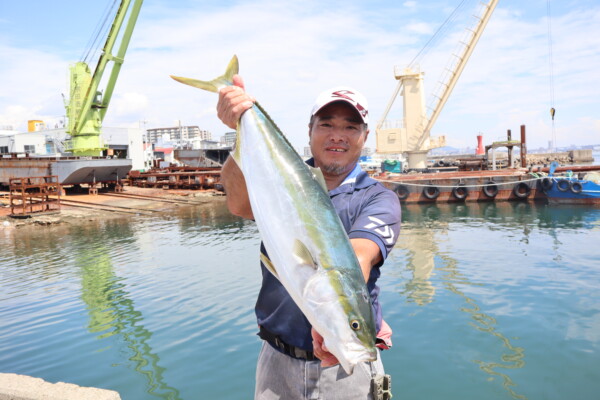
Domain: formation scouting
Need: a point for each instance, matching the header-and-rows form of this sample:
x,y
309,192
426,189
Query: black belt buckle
x,y
300,353
381,387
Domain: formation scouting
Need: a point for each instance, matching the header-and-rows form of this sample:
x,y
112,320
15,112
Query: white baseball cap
x,y
343,93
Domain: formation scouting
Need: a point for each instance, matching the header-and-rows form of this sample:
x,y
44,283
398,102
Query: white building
x,y
32,143
121,142
177,133
128,142
228,139
202,144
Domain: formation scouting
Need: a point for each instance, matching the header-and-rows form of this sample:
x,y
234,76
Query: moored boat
x,y
571,189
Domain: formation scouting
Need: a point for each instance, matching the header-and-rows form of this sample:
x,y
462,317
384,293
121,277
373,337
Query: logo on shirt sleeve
x,y
382,229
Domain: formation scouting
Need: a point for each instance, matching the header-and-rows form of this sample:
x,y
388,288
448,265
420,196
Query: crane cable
x,y
100,31
551,66
440,32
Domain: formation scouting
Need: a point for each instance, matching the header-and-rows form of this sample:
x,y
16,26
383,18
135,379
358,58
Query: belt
x,y
285,348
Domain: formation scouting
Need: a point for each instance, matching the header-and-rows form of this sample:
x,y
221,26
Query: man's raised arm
x,y
233,101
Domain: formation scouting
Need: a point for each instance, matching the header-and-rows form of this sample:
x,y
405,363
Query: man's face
x,y
337,136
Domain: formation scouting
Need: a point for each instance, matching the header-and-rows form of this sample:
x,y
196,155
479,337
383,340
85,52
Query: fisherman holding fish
x,y
326,229
294,362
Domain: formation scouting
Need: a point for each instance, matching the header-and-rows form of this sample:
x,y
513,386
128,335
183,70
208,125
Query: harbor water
x,y
487,301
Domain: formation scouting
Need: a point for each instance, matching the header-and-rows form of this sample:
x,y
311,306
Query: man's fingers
x,y
327,359
233,101
238,81
321,351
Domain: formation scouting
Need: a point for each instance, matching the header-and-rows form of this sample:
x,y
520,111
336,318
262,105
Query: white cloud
x,y
129,104
421,28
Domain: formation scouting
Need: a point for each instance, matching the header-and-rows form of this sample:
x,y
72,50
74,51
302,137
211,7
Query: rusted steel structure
x,y
573,168
178,178
34,195
461,186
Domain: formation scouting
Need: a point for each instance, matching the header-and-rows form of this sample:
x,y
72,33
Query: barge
x,y
513,184
70,170
461,186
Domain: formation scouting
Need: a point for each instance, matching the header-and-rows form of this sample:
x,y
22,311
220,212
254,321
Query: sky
x,y
289,51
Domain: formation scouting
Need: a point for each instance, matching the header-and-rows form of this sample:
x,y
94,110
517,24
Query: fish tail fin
x,y
216,84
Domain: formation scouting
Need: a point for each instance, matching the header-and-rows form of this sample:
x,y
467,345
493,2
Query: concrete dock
x,y
22,387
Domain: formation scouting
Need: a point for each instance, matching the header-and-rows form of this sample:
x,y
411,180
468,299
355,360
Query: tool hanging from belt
x,y
285,348
381,387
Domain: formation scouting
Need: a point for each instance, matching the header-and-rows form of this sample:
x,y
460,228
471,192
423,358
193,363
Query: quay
x,y
80,206
22,387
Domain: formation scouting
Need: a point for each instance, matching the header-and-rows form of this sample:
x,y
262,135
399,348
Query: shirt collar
x,y
351,178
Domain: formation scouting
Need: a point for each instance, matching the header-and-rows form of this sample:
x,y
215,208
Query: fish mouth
x,y
365,356
369,355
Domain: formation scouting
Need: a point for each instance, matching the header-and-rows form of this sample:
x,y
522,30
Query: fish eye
x,y
355,325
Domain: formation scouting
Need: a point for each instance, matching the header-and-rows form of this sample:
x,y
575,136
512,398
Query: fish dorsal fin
x,y
269,265
303,255
318,174
216,84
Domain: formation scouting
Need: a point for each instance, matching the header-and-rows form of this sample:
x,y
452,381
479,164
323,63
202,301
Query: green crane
x,y
87,103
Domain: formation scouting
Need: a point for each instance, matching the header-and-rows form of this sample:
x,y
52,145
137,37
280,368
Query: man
x,y
293,363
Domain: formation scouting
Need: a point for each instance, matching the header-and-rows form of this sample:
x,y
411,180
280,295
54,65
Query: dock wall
x,y
21,387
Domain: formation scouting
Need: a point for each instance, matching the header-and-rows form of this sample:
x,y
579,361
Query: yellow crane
x,y
412,135
87,104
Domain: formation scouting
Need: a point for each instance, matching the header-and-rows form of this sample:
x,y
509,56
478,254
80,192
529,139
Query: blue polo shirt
x,y
367,210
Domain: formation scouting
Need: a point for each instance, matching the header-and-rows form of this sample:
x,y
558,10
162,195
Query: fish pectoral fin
x,y
318,175
216,84
236,152
303,255
269,265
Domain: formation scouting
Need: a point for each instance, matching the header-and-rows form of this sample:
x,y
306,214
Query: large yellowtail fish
x,y
309,250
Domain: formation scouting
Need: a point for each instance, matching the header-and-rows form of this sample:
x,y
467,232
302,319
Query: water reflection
x,y
216,219
420,249
514,358
112,312
424,229
511,213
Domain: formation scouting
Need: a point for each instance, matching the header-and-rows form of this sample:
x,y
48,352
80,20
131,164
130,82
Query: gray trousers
x,y
282,377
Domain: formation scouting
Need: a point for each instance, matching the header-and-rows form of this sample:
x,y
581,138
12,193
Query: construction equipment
x,y
87,104
412,136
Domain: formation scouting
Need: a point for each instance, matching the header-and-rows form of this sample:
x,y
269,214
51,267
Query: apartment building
x,y
177,133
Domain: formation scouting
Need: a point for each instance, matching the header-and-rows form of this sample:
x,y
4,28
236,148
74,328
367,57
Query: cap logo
x,y
344,94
